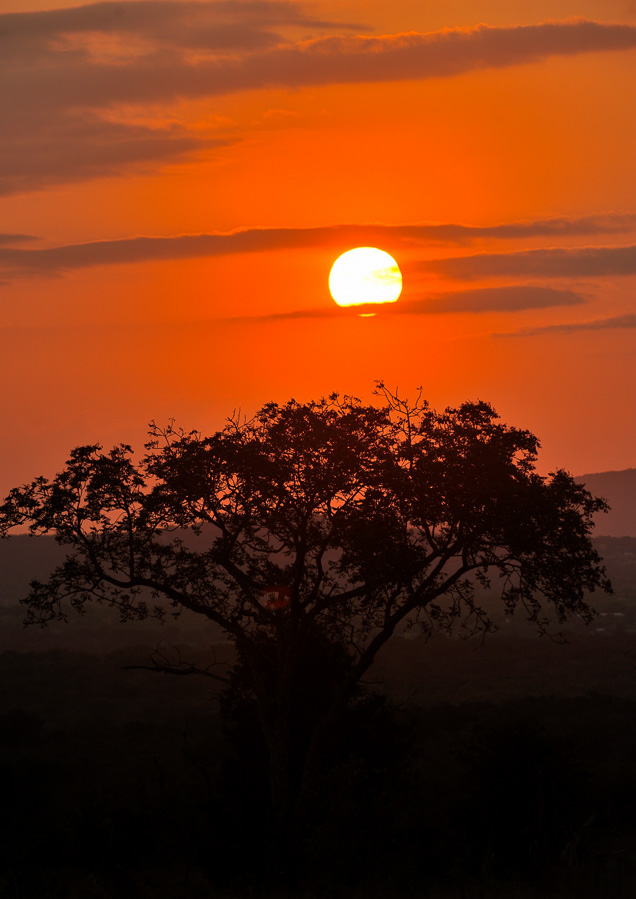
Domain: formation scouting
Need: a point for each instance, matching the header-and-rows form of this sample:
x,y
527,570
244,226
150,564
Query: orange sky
x,y
177,178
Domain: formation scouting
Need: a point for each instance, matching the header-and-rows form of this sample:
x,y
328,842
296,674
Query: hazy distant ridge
x,y
619,489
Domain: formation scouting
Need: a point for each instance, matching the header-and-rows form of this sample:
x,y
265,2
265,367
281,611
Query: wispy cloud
x,y
222,25
512,298
70,70
608,223
599,324
580,262
68,147
56,260
10,239
160,70
515,298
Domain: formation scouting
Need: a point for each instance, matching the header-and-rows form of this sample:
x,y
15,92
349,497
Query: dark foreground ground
x,y
502,770
119,783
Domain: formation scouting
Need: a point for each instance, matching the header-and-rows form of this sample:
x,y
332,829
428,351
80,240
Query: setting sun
x,y
365,275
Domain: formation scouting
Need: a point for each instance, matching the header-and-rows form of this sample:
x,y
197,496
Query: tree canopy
x,y
329,521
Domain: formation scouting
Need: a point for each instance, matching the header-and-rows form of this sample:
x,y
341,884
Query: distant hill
x,y
24,558
619,489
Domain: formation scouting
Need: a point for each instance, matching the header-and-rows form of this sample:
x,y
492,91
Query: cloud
x,y
70,70
78,147
166,68
600,324
67,68
222,25
56,260
514,298
9,239
586,224
582,262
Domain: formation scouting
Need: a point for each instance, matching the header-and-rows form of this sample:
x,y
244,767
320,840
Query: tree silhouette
x,y
309,534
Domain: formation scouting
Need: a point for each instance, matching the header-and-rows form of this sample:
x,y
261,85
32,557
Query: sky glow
x,y
178,178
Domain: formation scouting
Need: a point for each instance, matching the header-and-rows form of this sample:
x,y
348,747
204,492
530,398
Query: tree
x,y
309,534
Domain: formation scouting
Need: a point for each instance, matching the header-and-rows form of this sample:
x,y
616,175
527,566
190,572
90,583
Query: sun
x,y
365,275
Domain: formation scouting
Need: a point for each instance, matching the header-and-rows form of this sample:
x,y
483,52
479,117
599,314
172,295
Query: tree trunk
x,y
282,799
279,782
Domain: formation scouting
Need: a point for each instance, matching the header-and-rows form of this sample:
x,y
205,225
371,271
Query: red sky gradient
x,y
177,177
